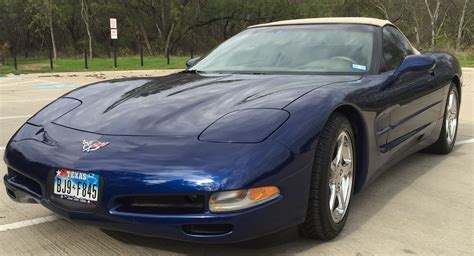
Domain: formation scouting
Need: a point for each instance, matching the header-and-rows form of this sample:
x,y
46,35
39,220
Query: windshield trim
x,y
311,24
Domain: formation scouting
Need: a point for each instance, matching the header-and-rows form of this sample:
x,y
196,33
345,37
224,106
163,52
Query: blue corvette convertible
x,y
278,126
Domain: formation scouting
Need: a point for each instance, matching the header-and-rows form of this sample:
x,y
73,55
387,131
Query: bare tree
x,y
443,21
382,8
416,27
167,17
50,17
86,18
391,10
434,19
145,36
461,25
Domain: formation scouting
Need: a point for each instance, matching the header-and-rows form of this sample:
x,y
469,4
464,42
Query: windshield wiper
x,y
243,72
193,71
256,73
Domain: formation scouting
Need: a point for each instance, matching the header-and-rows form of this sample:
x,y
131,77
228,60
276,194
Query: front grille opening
x,y
22,180
207,229
161,204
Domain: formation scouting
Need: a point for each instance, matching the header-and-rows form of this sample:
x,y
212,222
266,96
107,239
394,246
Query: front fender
x,y
307,118
310,114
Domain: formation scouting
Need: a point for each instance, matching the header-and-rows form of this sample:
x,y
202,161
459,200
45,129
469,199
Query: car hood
x,y
181,104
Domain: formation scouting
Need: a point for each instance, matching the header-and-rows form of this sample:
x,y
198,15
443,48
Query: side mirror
x,y
192,62
416,63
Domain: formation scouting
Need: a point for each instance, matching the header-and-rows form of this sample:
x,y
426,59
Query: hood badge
x,y
93,145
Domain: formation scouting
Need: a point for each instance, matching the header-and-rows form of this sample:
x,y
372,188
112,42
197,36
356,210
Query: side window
x,y
395,47
402,41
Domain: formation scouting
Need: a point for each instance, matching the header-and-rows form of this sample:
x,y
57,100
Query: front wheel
x,y
447,137
332,180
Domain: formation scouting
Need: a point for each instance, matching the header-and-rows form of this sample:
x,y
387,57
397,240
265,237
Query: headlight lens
x,y
54,110
235,200
245,126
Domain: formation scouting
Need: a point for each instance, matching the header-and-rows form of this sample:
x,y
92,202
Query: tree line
x,y
30,28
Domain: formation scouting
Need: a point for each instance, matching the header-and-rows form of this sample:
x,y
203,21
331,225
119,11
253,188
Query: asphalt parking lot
x,y
423,205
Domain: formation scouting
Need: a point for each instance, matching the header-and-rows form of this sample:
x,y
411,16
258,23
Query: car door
x,y
414,103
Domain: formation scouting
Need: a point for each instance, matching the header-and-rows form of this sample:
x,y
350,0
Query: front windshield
x,y
325,48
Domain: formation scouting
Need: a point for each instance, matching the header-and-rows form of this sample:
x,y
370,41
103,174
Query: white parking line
x,y
2,148
464,142
41,89
6,79
13,117
23,83
27,223
5,101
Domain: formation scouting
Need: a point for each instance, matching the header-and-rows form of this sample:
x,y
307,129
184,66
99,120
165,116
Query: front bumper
x,y
203,172
206,227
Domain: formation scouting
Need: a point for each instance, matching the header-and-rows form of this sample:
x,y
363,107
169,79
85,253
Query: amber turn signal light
x,y
235,200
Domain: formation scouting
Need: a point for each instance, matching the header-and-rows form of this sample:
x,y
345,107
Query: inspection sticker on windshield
x,y
359,67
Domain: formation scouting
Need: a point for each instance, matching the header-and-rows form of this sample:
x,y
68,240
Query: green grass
x,y
466,60
33,65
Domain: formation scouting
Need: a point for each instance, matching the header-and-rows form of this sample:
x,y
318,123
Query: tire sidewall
x,y
324,210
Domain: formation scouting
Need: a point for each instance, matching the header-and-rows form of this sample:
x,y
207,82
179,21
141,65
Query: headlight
x,y
235,200
245,126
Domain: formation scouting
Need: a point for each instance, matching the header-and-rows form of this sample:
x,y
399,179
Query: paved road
x,y
423,205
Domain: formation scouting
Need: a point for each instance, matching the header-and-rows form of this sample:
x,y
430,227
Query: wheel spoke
x,y
332,197
339,152
333,166
341,200
346,163
453,127
450,102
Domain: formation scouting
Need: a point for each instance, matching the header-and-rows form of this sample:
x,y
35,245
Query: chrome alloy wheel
x,y
451,117
340,177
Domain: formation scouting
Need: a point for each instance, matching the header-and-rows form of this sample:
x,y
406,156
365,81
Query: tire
x,y
322,223
446,140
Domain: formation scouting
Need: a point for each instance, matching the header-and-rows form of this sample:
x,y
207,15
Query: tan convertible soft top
x,y
341,20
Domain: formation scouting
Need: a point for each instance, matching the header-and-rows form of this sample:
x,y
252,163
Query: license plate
x,y
76,186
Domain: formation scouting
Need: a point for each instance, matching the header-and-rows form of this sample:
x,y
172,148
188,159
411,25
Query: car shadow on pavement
x,y
364,208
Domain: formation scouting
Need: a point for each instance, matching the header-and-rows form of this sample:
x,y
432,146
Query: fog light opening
x,y
207,229
11,193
